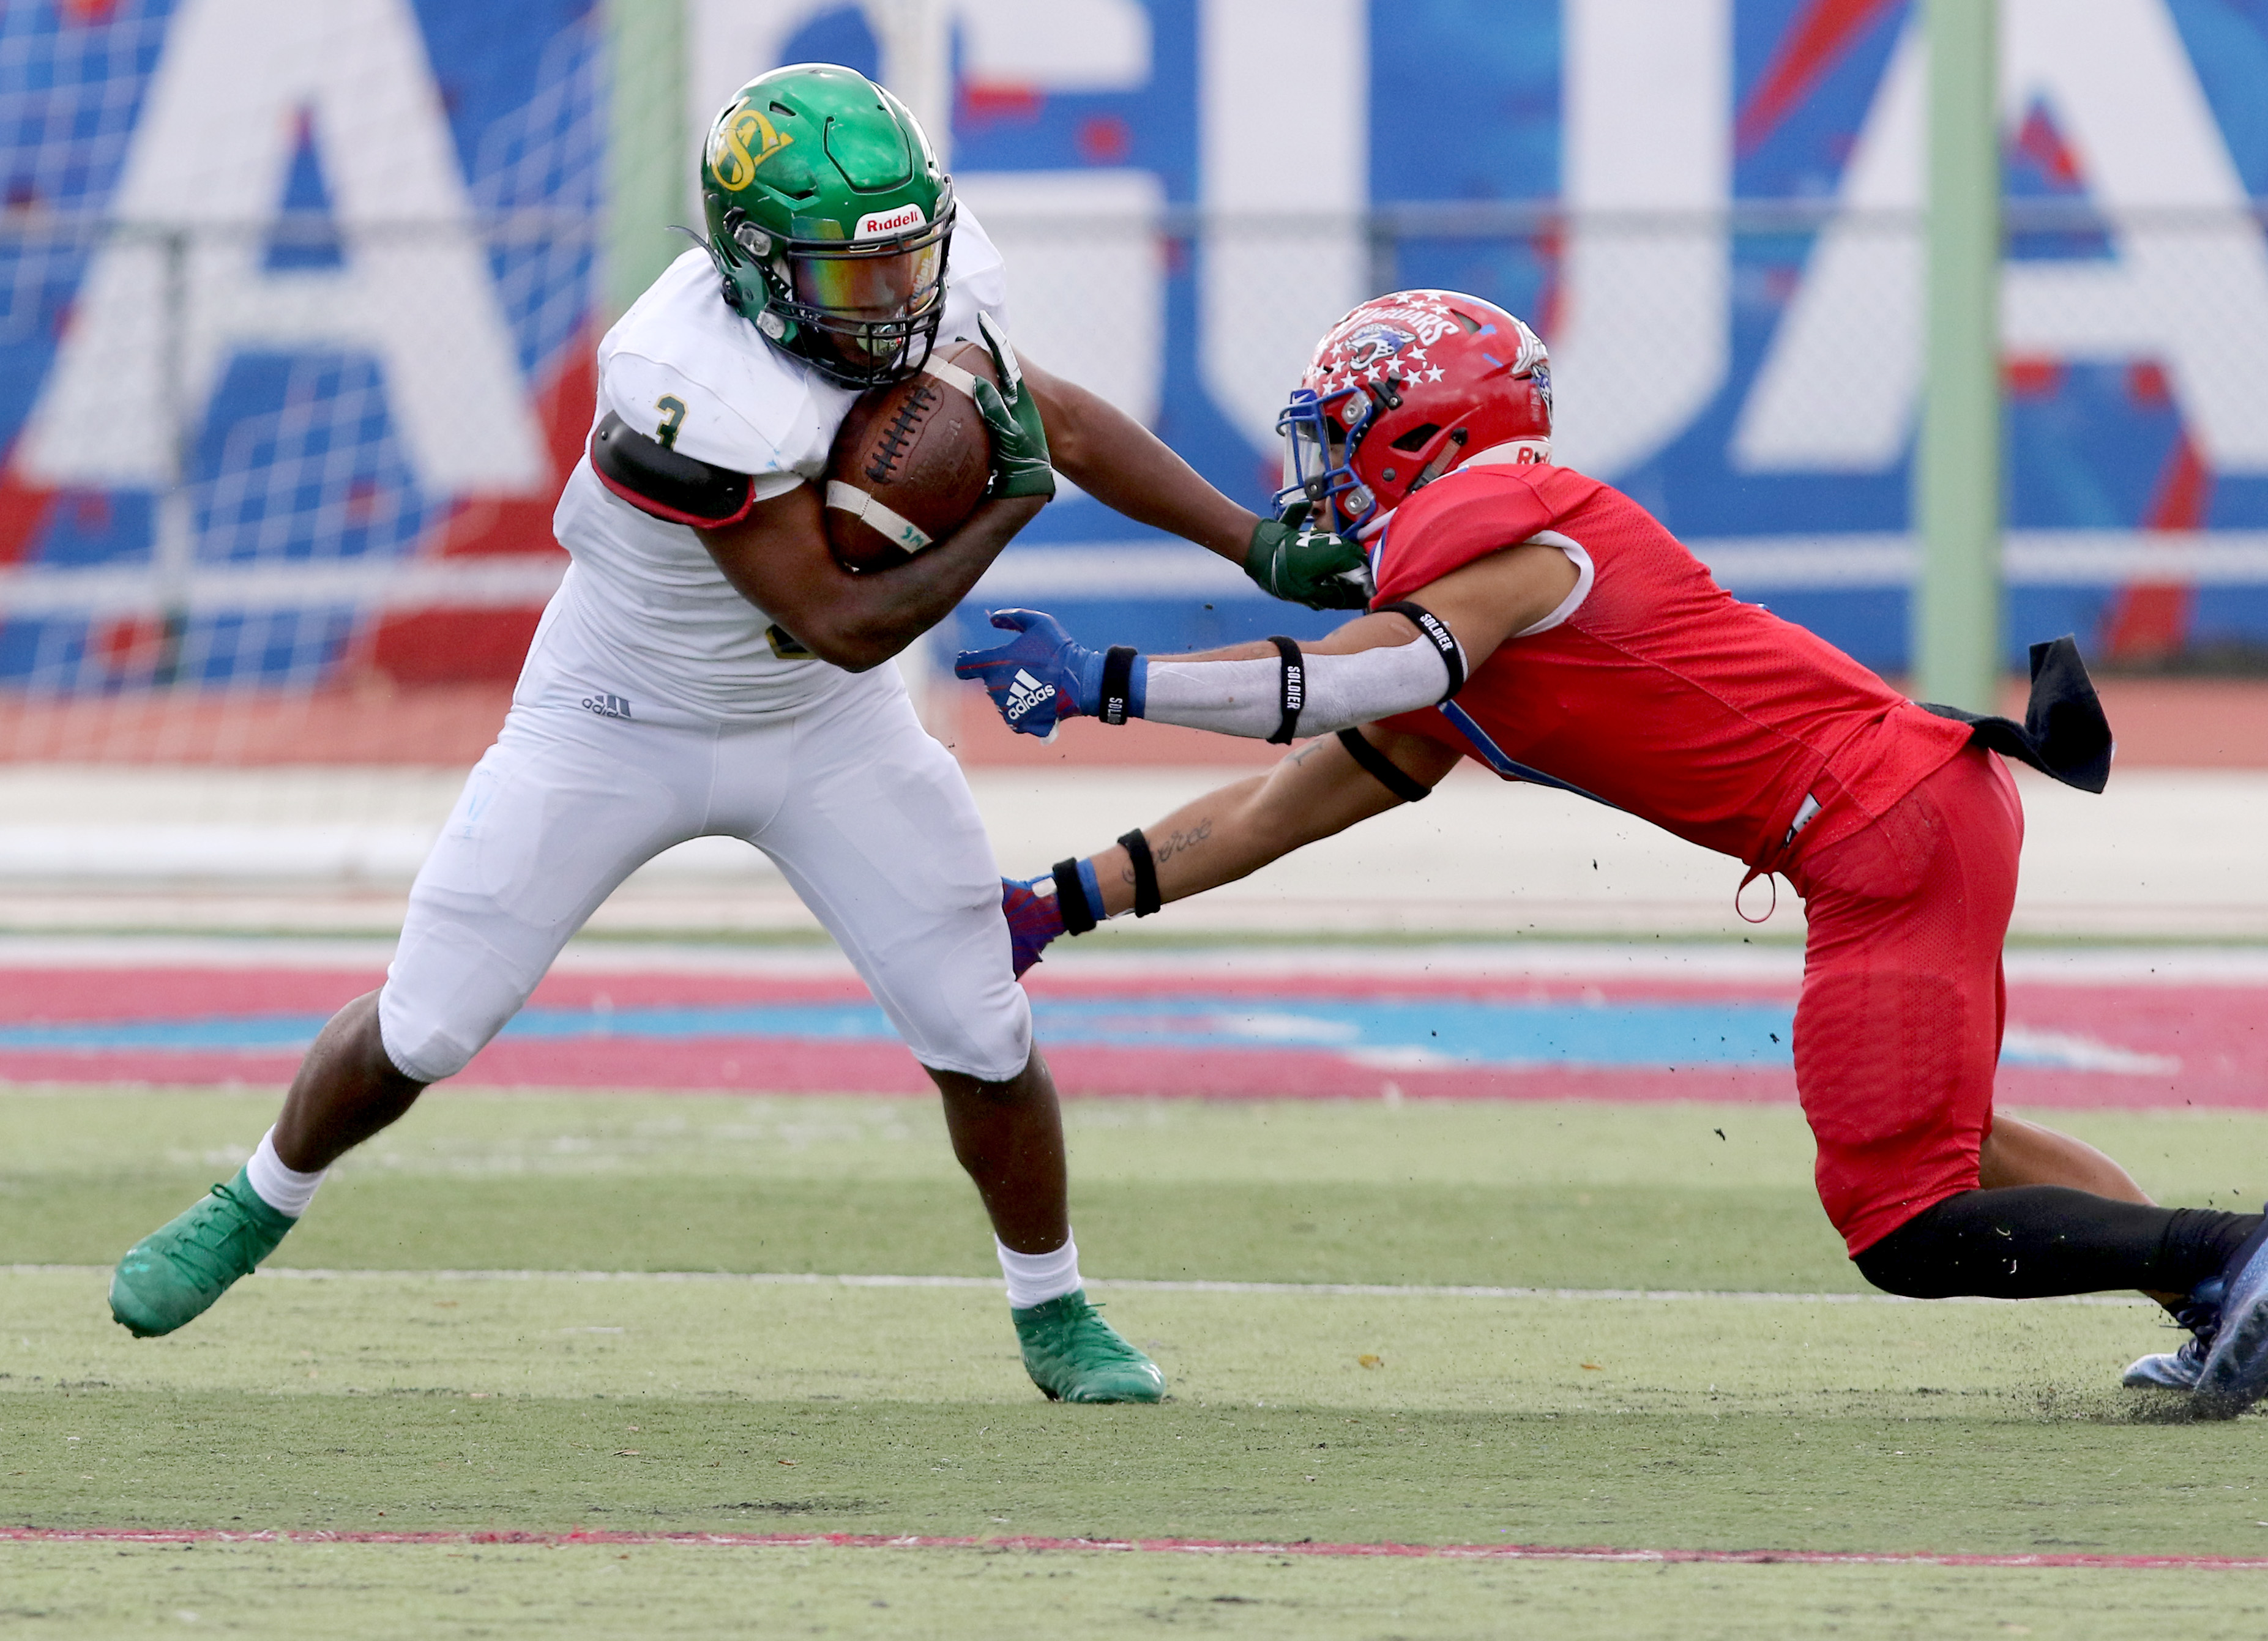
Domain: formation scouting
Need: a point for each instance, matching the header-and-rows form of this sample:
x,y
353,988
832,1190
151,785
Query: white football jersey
x,y
646,626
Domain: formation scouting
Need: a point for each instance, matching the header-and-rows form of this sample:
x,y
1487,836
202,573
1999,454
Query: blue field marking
x,y
238,1033
1459,1032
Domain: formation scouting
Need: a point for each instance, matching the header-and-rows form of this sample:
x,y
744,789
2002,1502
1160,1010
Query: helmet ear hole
x,y
1415,438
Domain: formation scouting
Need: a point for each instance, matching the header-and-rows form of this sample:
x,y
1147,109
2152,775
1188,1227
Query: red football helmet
x,y
1406,388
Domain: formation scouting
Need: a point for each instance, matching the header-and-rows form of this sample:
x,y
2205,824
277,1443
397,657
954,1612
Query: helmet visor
x,y
1305,461
874,285
870,305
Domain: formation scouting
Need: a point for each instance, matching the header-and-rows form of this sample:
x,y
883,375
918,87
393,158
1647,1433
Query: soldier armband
x,y
1435,632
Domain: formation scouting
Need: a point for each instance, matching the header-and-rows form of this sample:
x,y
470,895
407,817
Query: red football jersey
x,y
1659,692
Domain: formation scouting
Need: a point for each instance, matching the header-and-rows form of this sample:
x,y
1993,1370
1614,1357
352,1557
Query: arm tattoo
x,y
1172,844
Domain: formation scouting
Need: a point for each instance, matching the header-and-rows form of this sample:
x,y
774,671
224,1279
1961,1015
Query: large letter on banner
x,y
1286,255
1640,344
209,160
2188,285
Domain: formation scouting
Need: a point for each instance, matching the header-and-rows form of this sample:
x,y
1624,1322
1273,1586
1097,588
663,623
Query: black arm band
x,y
664,483
1389,773
1071,898
1145,873
1293,682
1117,683
1438,633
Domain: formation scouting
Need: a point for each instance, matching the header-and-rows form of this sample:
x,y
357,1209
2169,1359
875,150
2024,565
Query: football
x,y
910,463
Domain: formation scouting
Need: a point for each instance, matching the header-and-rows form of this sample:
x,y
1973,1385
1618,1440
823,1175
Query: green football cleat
x,y
1074,1356
172,1276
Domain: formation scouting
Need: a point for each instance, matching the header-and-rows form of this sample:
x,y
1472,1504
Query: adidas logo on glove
x,y
1025,692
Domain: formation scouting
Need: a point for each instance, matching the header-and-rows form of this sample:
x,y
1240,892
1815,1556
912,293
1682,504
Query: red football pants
x,y
1897,1035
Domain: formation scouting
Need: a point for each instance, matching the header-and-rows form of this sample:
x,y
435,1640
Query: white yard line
x,y
1358,1290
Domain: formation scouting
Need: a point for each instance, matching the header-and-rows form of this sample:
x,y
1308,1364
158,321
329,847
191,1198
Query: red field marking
x,y
2156,1014
2218,1034
1185,1546
59,995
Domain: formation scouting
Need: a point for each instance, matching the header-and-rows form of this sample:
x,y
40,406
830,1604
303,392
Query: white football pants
x,y
868,819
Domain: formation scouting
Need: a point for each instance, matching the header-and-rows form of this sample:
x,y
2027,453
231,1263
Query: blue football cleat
x,y
2178,1369
2234,1372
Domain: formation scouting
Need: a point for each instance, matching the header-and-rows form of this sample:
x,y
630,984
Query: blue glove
x,y
1034,918
1037,677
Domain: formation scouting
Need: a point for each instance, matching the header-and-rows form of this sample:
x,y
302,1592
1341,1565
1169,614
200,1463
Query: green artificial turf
x,y
555,1403
395,1396
445,1591
1543,1194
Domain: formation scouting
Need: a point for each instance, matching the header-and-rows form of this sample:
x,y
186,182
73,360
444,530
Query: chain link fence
x,y
279,487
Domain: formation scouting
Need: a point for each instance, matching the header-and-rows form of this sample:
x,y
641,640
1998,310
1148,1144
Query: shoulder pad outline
x,y
666,483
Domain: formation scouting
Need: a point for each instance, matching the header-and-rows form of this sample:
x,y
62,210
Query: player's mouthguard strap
x,y
1291,689
1118,702
1073,878
1386,772
1438,633
1145,873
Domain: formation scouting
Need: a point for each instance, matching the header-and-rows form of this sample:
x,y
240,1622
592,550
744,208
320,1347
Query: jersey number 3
x,y
673,418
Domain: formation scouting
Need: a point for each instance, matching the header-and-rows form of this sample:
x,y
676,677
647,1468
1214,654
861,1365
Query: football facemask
x,y
1317,436
875,304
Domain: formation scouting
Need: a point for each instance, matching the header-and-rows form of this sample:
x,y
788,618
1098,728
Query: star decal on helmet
x,y
1376,418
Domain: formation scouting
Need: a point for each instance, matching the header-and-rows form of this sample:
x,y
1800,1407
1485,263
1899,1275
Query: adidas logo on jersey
x,y
607,706
1025,692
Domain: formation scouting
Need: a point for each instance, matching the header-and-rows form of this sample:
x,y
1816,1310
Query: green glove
x,y
1311,567
1020,443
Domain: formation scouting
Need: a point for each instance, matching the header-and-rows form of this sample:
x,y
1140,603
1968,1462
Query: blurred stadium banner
x,y
297,305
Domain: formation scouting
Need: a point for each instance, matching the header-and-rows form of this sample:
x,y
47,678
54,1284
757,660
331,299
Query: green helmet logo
x,y
829,221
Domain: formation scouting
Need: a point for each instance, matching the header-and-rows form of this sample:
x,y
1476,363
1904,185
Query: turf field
x,y
692,1351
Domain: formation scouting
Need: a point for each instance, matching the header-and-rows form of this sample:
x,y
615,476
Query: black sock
x,y
2034,1241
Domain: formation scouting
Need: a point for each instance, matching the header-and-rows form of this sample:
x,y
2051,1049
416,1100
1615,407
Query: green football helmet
x,y
829,219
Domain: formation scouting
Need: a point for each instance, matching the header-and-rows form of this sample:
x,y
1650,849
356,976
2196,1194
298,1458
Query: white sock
x,y
1035,1278
286,1190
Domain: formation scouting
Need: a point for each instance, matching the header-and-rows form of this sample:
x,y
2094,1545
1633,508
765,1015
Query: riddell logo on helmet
x,y
877,225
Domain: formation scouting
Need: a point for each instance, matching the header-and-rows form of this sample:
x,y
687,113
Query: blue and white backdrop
x,y
297,300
